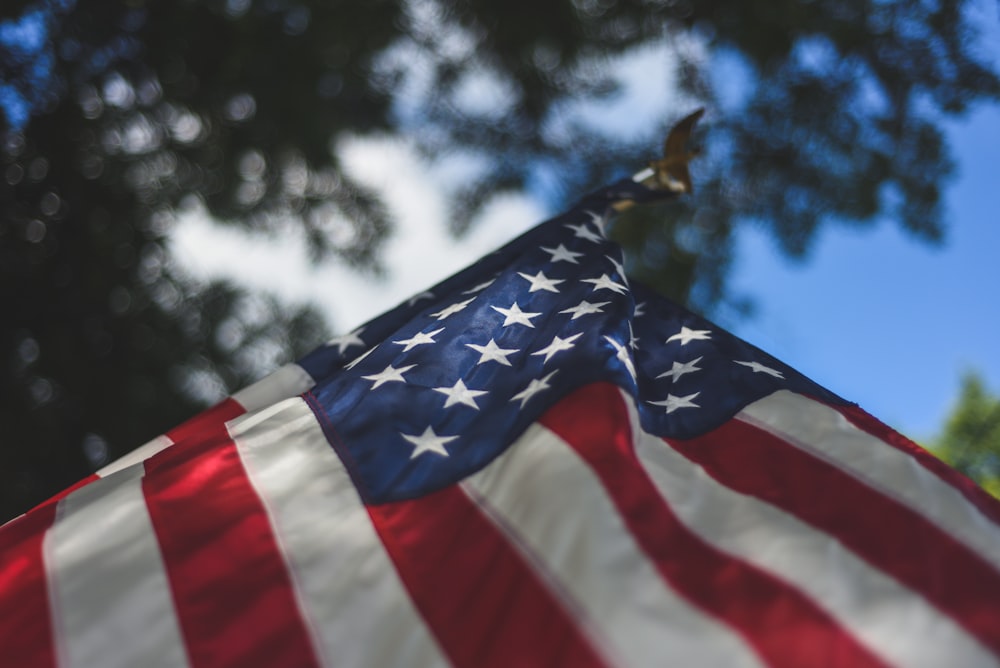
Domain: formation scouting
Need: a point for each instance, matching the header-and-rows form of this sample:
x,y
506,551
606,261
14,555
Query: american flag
x,y
538,462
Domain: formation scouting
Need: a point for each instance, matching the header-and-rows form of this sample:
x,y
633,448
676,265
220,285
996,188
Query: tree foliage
x,y
970,439
121,114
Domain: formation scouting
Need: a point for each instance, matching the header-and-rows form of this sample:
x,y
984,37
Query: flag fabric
x,y
538,462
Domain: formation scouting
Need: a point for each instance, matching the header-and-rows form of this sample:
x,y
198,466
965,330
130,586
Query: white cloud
x,y
419,253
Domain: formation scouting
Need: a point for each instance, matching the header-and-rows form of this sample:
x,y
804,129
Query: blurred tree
x,y
120,115
970,439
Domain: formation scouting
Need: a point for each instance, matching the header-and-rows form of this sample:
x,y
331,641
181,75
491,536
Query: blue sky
x,y
885,320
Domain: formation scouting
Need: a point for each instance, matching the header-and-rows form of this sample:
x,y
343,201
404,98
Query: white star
x,y
556,346
345,341
353,363
585,308
419,338
672,403
460,394
514,315
760,368
491,352
415,298
428,442
541,282
619,267
534,387
687,335
633,340
390,374
452,310
605,283
640,309
679,369
562,254
584,232
623,356
598,221
480,287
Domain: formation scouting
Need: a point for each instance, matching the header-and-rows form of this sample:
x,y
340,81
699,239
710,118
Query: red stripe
x,y
229,582
976,495
26,630
780,622
879,529
211,418
484,604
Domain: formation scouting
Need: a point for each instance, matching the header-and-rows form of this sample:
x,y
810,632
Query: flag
x,y
538,462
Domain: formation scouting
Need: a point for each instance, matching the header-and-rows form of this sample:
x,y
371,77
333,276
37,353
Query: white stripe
x,y
897,624
554,507
351,596
285,383
111,602
140,454
827,434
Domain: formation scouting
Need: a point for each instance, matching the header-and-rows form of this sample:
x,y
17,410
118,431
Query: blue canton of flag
x,y
437,388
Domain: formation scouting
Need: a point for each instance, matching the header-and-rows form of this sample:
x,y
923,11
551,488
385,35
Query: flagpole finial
x,y
671,171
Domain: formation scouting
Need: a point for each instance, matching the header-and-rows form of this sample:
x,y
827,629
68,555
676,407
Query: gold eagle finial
x,y
671,171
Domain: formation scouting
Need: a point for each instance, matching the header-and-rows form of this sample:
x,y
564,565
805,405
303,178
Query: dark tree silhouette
x,y
119,114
